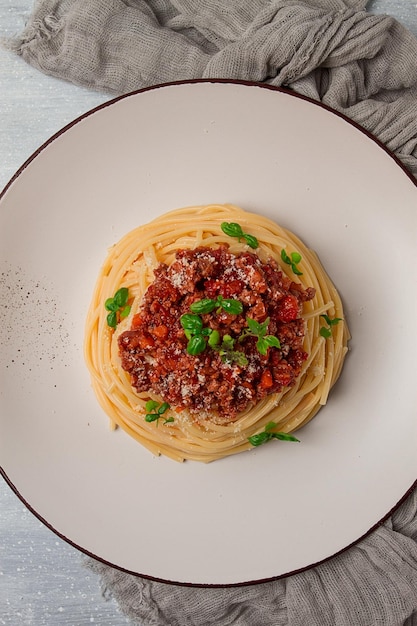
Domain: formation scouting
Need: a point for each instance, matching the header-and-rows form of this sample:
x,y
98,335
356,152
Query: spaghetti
x,y
151,253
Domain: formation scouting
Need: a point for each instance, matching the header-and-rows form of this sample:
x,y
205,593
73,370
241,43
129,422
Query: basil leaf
x,y
251,241
326,318
196,345
117,304
284,437
237,357
334,321
111,305
285,257
292,260
231,229
203,306
253,326
151,405
260,438
235,230
325,332
228,342
112,319
272,341
264,327
191,322
262,346
125,312
151,417
214,338
268,434
164,407
234,307
121,296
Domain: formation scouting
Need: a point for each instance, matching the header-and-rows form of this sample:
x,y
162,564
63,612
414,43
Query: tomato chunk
x,y
288,309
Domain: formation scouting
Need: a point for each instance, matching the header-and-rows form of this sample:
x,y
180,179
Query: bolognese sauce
x,y
216,383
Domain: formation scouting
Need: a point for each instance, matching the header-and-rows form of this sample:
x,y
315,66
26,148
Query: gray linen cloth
x,y
330,50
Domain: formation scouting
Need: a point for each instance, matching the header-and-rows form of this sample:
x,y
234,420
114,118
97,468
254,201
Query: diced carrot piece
x,y
266,379
160,331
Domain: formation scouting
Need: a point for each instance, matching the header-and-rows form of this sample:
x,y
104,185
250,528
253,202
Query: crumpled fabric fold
x,y
334,51
373,582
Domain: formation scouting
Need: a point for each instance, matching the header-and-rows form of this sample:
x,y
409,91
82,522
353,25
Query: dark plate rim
x,y
63,130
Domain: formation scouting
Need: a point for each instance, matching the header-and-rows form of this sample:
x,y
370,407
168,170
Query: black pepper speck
x,y
32,327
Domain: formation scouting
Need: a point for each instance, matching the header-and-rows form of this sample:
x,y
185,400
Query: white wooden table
x,y
42,579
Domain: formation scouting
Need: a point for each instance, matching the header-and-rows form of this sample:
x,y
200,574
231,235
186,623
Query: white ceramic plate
x,y
273,510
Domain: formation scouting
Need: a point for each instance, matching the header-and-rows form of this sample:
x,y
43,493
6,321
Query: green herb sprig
x,y
293,260
326,331
155,410
235,230
226,350
259,330
195,333
117,307
268,433
199,336
207,305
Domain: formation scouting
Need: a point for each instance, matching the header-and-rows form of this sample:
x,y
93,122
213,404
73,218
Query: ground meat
x,y
212,384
